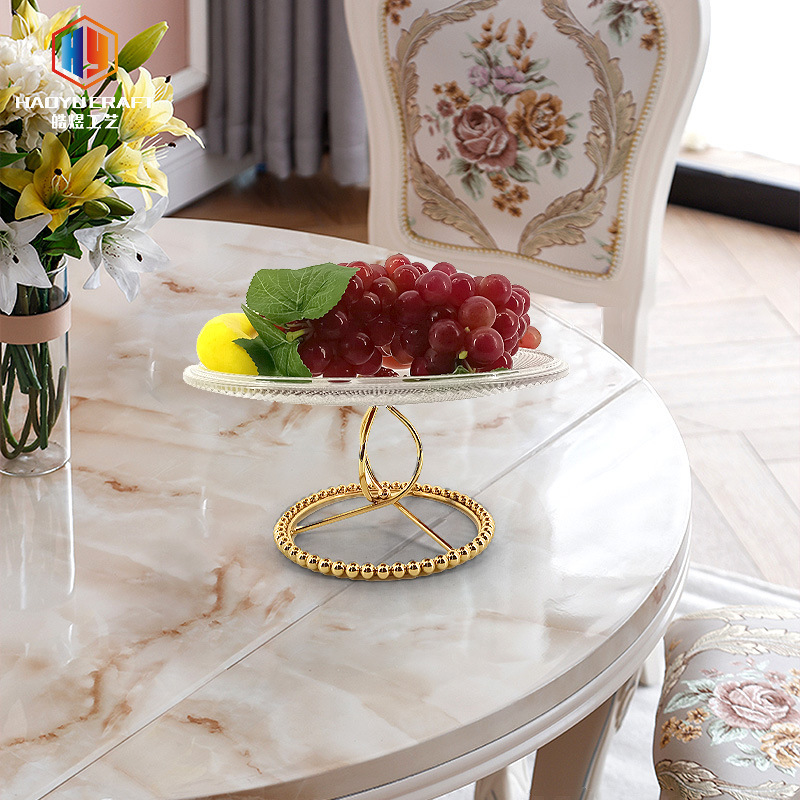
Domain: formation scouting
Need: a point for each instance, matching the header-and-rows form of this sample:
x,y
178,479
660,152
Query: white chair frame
x,y
626,296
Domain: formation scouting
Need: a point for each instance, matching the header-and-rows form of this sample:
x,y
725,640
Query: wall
x,y
127,18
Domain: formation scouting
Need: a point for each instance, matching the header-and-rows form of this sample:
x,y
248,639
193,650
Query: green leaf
x,y
545,158
283,353
286,295
10,158
459,166
522,170
259,354
684,700
560,169
473,183
720,732
561,153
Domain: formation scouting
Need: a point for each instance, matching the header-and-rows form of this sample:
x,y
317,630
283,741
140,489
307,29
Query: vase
x,y
34,379
37,548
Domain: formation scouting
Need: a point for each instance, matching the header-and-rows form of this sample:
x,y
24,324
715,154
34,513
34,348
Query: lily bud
x,y
141,47
118,207
33,160
15,4
65,137
95,209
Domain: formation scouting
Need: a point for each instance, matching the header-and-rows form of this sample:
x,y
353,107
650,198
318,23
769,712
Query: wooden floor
x,y
724,354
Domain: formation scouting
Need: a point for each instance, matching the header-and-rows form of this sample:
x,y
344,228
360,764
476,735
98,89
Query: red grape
x,y
477,312
367,307
393,262
463,287
524,293
372,364
419,366
446,336
380,330
410,308
423,268
398,354
333,325
385,372
414,340
484,345
434,287
441,312
496,288
446,267
387,292
339,368
516,303
506,324
316,355
405,276
354,290
504,362
531,339
356,348
439,363
364,272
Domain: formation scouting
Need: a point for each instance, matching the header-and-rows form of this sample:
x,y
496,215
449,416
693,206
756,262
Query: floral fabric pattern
x,y
522,111
730,707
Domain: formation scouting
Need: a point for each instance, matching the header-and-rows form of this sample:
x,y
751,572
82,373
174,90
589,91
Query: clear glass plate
x,y
530,368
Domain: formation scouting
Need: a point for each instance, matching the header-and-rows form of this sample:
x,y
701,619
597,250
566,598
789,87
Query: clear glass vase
x,y
34,381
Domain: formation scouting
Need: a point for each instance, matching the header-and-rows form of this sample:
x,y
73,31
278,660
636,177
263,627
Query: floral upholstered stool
x,y
728,723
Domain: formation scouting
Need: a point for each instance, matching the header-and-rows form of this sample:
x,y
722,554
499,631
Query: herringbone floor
x,y
724,353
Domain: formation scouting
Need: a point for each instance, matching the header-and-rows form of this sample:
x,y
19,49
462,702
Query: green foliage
x,y
522,170
283,353
286,295
259,354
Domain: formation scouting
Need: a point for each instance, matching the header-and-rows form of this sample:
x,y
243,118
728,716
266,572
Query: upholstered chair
x,y
728,722
536,138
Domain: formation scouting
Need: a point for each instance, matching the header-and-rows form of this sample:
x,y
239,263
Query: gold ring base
x,y
286,529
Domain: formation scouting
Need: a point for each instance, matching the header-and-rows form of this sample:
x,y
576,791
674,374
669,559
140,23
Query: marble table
x,y
154,643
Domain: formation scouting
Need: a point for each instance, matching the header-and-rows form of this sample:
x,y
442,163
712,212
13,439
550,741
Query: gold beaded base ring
x,y
380,494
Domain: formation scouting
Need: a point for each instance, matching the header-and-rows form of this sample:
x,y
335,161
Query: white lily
x,y
19,261
124,249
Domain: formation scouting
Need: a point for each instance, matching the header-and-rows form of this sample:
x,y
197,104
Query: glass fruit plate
x,y
530,368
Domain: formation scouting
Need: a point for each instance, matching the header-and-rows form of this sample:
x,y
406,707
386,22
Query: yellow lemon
x,y
217,349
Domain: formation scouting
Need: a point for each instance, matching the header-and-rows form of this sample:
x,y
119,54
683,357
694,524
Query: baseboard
x,y
738,196
194,172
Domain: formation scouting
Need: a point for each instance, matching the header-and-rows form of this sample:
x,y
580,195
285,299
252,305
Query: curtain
x,y
283,86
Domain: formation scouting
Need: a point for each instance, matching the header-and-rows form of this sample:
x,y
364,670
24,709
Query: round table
x,y
155,644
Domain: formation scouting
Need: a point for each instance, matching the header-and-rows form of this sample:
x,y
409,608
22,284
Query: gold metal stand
x,y
380,494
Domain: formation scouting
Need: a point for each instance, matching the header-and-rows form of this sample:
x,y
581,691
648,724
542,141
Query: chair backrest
x,y
531,137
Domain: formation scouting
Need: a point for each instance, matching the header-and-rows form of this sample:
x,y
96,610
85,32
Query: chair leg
x,y
569,767
653,668
625,332
499,785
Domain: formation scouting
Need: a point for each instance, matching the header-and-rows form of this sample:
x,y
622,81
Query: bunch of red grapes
x,y
402,314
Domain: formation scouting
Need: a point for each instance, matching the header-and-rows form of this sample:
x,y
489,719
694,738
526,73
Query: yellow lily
x,y
125,164
6,95
57,187
150,111
133,164
28,21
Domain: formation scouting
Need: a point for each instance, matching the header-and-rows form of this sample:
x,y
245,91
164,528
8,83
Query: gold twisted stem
x,y
379,494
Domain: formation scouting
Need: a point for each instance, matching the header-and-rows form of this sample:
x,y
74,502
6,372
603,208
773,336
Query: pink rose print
x,y
757,706
508,80
483,138
479,76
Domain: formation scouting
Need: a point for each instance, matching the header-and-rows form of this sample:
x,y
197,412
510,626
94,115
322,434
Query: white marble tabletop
x,y
155,645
